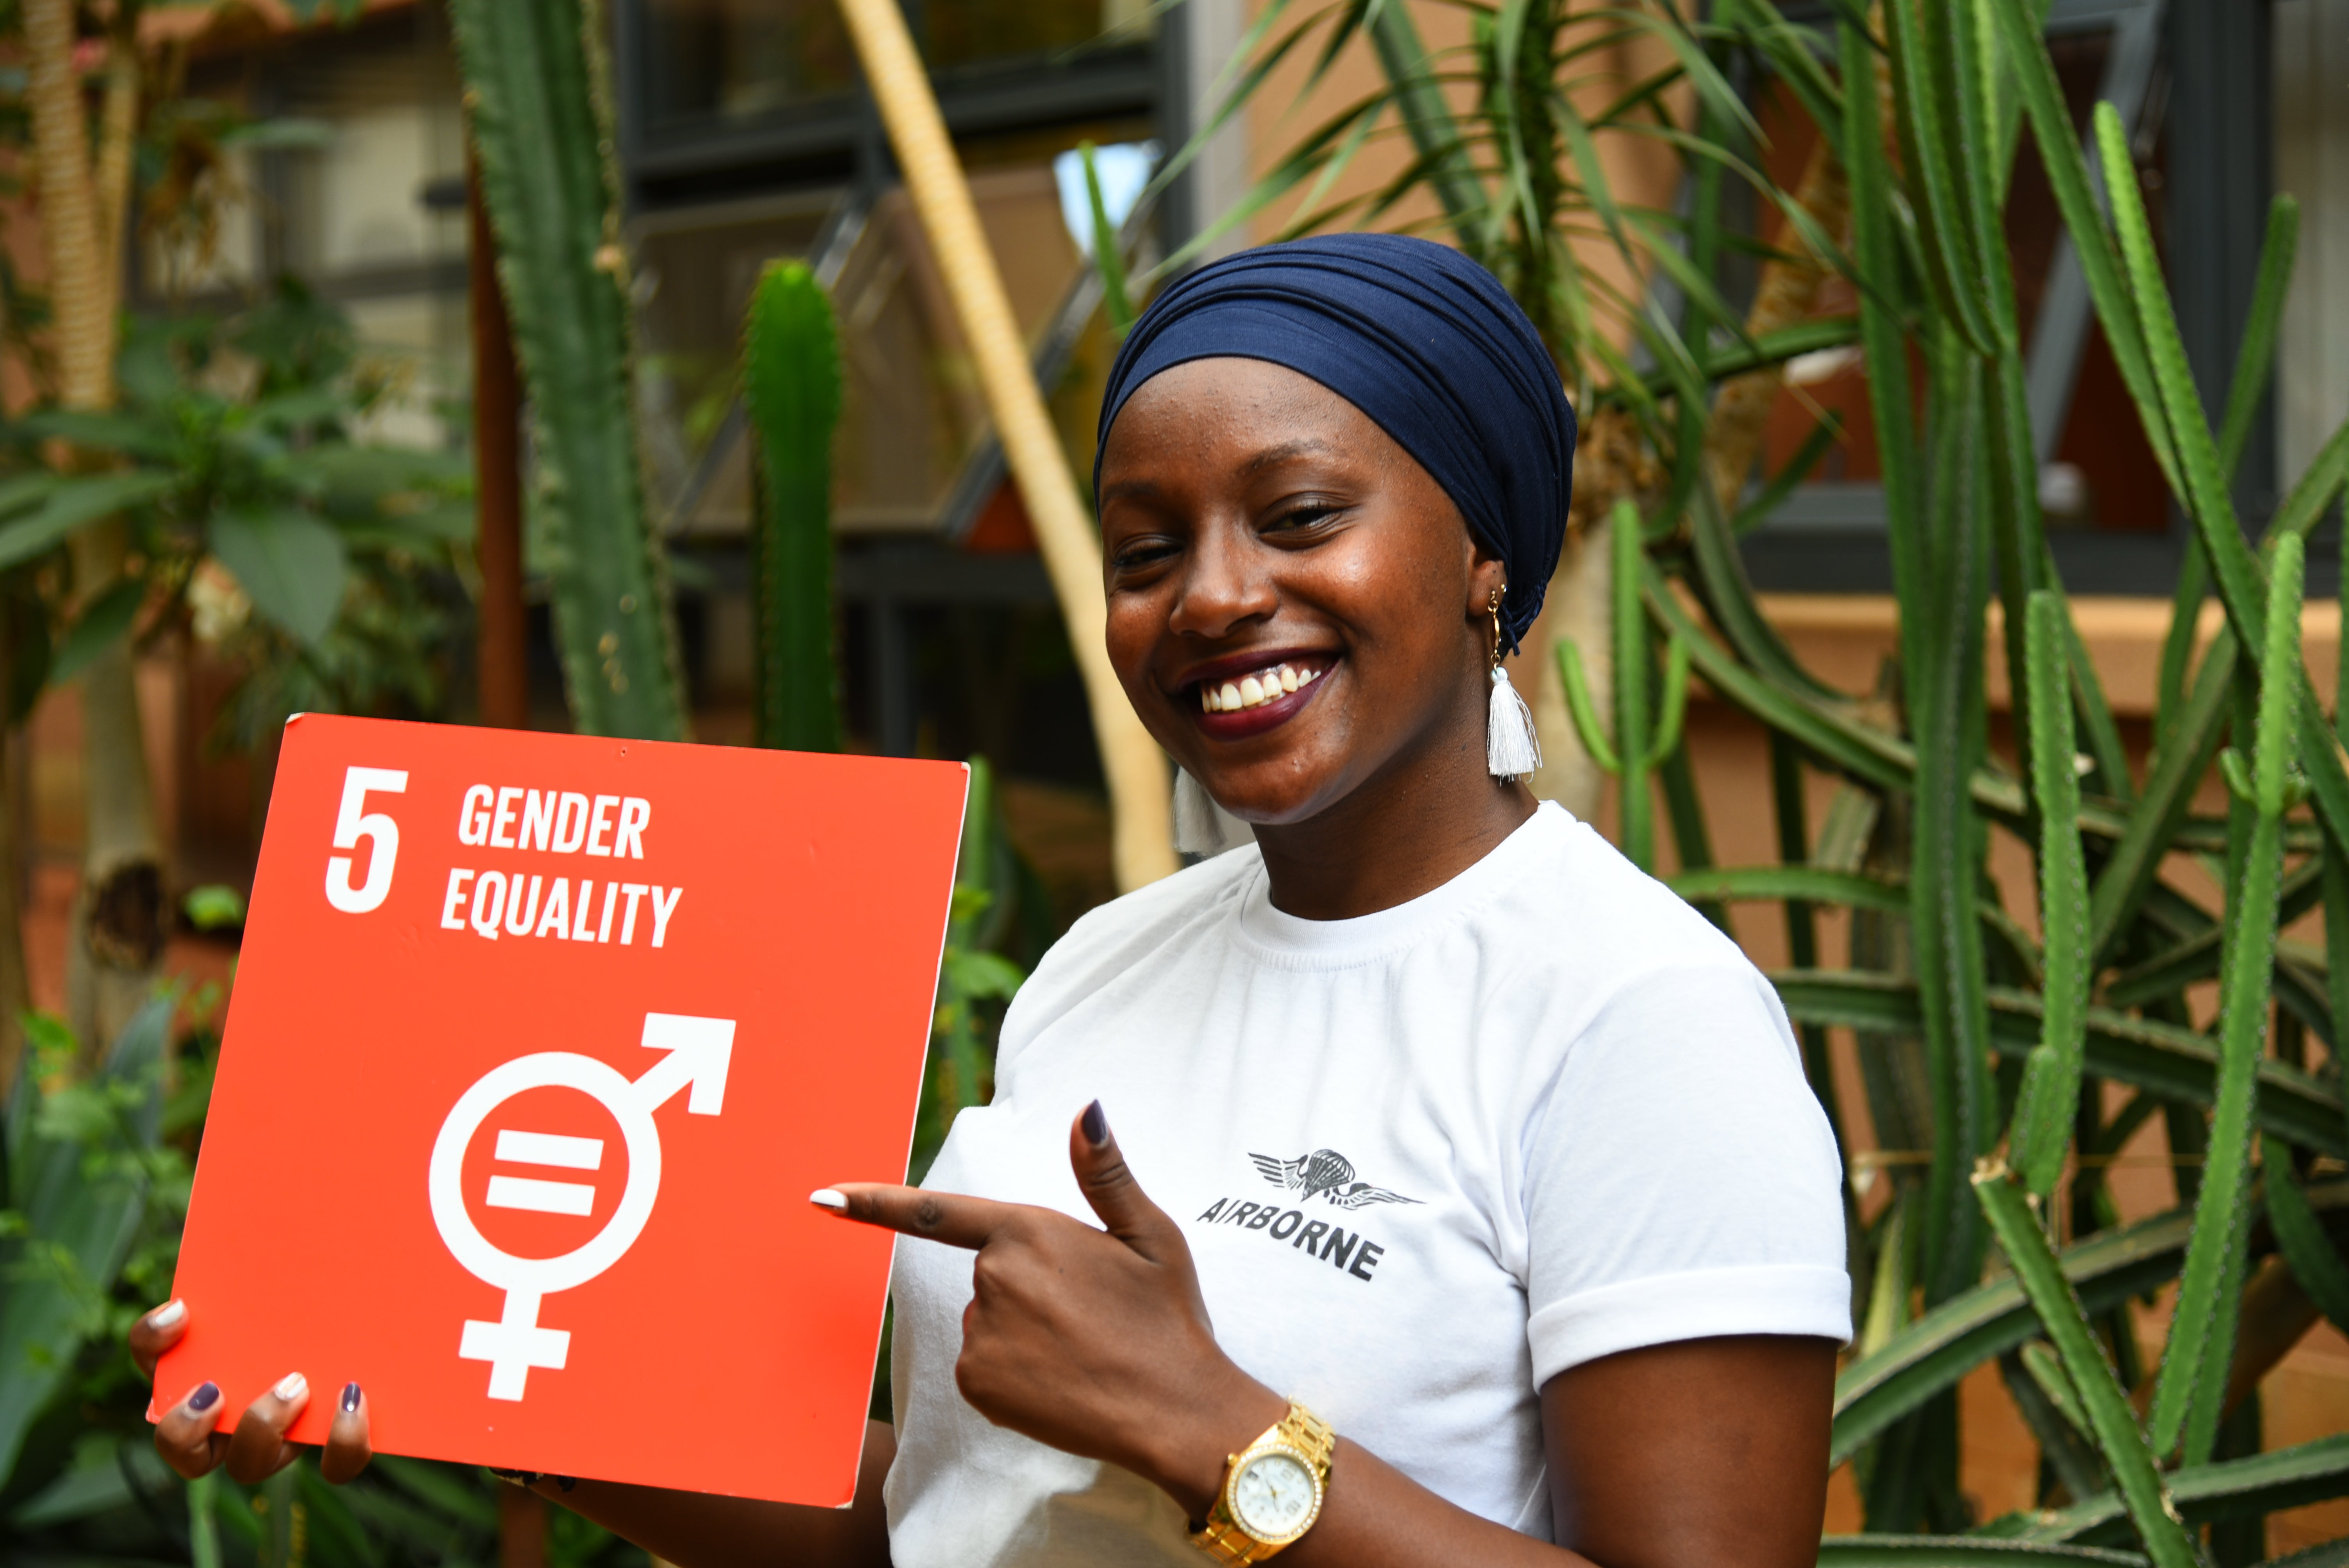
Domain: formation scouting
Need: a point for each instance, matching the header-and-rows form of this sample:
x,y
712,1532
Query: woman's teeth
x,y
1252,691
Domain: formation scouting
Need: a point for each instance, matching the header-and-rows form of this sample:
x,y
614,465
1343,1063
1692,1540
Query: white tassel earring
x,y
1511,750
1197,832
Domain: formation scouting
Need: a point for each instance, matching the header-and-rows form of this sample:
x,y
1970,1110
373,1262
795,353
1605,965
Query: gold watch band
x,y
1300,1432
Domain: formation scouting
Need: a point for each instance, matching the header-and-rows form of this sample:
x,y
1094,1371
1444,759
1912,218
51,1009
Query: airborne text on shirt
x,y
1317,1238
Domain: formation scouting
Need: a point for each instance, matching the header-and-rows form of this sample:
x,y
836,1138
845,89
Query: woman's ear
x,y
1487,579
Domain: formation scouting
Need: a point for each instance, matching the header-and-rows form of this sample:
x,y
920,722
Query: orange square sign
x,y
538,1045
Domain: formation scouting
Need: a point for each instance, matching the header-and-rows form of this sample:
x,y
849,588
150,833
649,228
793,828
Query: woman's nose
x,y
1225,585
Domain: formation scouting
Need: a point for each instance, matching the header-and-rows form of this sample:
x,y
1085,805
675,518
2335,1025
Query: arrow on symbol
x,y
699,1051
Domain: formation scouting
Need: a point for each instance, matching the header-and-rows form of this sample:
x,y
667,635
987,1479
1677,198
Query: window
x,y
745,139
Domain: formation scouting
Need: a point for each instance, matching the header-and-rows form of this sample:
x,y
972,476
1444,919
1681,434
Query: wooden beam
x,y
1139,802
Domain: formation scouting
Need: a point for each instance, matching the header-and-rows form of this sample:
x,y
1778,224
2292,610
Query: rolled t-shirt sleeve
x,y
1681,1181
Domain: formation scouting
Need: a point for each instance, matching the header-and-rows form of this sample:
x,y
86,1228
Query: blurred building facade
x,y
744,137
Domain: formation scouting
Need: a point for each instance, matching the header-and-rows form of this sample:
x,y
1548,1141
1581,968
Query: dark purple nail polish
x,y
1095,1124
206,1396
350,1397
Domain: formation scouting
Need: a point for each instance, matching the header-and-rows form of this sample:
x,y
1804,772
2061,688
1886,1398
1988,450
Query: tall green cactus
x,y
2051,1084
790,384
537,96
2203,1330
1634,751
2104,1403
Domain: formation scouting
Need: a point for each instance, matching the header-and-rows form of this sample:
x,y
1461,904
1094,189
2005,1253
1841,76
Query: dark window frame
x,y
839,140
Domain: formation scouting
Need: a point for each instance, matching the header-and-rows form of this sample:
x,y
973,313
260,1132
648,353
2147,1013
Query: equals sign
x,y
537,1197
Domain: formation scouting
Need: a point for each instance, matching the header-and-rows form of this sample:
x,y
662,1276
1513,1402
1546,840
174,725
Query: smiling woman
x,y
1501,1226
1475,1144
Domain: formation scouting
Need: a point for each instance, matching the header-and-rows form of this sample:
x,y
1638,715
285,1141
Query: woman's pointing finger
x,y
948,1217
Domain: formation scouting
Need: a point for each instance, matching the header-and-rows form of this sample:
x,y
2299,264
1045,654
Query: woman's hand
x,y
1094,1342
187,1435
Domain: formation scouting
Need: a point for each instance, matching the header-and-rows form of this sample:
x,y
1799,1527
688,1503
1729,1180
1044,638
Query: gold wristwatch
x,y
1272,1491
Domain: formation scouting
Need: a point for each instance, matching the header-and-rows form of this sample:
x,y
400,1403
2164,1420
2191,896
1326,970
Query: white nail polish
x,y
825,1198
168,1316
291,1387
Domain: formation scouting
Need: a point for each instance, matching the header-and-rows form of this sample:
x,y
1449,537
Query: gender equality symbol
x,y
699,1050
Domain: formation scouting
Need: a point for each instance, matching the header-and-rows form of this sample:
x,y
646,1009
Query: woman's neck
x,y
1402,834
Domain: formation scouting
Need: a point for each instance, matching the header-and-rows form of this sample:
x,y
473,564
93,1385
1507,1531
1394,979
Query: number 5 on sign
x,y
355,823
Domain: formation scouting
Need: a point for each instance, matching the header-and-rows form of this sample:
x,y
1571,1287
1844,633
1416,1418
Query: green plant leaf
x,y
2174,1062
2049,1100
2228,1488
970,975
130,434
2025,51
214,907
2315,1261
1757,508
65,504
2050,1406
2255,354
2202,1326
1109,254
291,564
2240,580
1932,1354
1923,98
85,1213
2196,958
2113,1423
1772,348
1424,111
2133,865
1962,1552
107,621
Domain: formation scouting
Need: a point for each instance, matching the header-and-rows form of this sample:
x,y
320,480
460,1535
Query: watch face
x,y
1273,1497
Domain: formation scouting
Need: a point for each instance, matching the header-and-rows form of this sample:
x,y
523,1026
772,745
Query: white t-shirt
x,y
1426,1160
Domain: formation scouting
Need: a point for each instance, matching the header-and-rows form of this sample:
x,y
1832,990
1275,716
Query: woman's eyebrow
x,y
1140,490
1304,446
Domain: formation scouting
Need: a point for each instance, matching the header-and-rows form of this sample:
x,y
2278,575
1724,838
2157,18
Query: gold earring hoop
x,y
1492,607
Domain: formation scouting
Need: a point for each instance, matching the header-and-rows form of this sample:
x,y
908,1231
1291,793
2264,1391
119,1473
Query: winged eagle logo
x,y
1326,1174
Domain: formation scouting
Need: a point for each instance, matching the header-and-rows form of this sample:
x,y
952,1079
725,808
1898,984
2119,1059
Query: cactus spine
x,y
791,383
535,94
1634,751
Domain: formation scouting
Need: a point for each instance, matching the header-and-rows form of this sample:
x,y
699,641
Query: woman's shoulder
x,y
1109,938
1151,913
1577,901
1585,952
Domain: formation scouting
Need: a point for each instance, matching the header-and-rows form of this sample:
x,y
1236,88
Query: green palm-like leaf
x,y
2058,1307
1962,1551
2169,1061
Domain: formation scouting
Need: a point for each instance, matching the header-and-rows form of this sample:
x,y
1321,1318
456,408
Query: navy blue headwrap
x,y
1417,336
